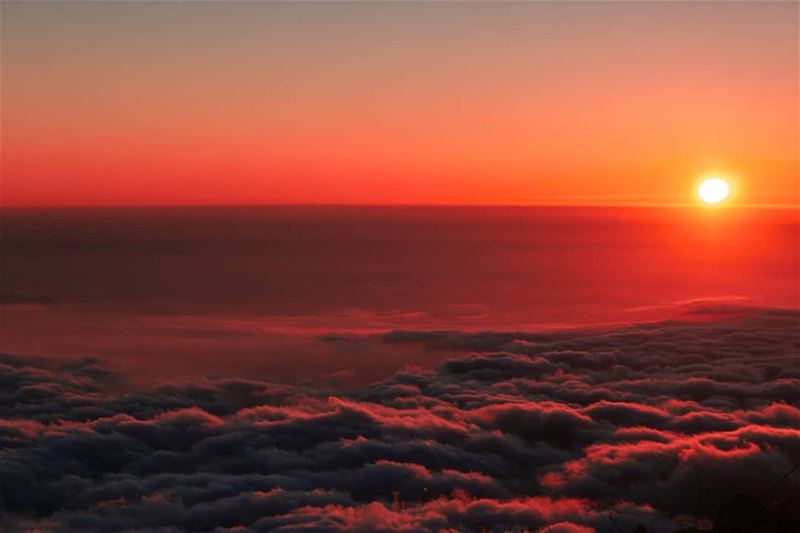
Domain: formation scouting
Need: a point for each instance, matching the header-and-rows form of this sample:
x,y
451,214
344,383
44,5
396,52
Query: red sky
x,y
474,103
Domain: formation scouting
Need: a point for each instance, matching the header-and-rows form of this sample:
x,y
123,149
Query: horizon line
x,y
781,206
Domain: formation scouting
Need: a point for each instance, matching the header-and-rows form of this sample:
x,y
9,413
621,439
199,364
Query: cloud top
x,y
651,425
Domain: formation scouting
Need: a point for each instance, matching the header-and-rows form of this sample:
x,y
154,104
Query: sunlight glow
x,y
713,190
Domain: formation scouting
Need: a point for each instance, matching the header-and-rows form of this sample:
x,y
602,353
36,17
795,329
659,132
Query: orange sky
x,y
475,103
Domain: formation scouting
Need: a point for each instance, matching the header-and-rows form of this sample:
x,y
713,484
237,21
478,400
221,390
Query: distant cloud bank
x,y
12,297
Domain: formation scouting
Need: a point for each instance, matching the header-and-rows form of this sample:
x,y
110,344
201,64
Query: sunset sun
x,y
713,190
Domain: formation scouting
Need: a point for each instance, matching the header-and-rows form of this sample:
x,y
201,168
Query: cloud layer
x,y
652,425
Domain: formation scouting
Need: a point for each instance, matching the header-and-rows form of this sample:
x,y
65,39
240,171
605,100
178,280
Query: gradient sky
x,y
268,102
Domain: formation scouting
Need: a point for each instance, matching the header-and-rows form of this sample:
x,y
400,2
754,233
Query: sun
x,y
713,190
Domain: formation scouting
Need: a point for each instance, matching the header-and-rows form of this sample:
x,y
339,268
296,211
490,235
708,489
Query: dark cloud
x,y
647,425
12,297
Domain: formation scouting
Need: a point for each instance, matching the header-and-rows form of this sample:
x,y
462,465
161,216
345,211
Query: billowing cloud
x,y
635,428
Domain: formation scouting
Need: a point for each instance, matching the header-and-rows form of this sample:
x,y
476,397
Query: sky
x,y
148,103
